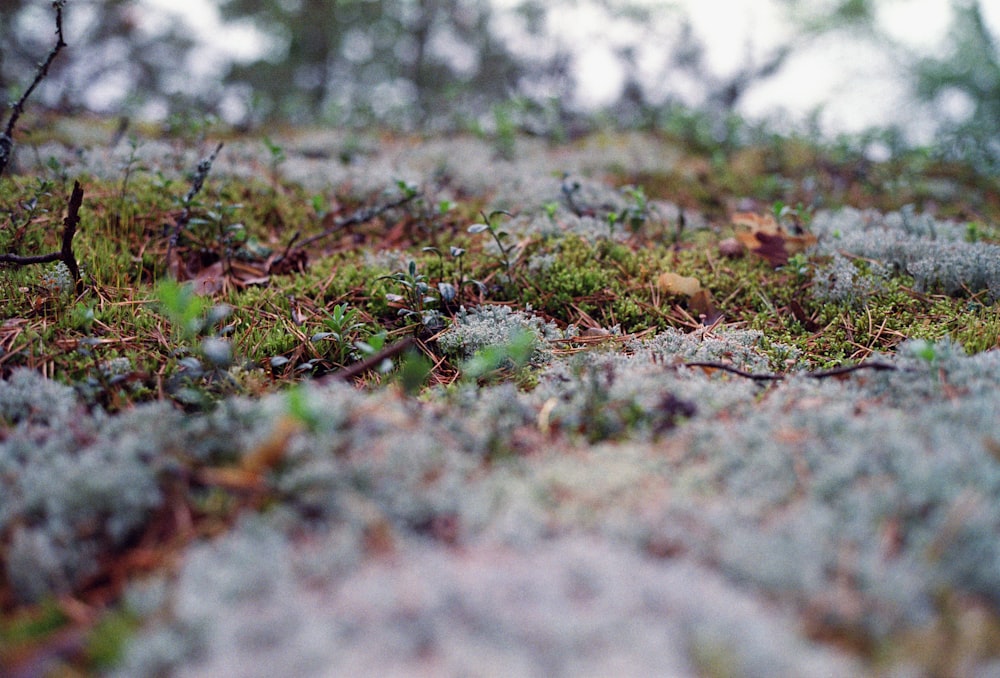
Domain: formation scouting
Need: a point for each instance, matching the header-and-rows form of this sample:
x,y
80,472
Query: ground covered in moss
x,y
379,405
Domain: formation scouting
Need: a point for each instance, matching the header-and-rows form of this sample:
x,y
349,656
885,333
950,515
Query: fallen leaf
x,y
243,274
756,222
210,280
771,247
703,306
799,243
671,283
764,237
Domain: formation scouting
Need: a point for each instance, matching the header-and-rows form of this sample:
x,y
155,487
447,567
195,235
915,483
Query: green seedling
x,y
414,370
491,225
633,215
277,158
319,204
637,213
372,346
219,224
450,291
184,308
925,350
342,326
408,189
798,217
488,363
415,301
82,316
194,320
300,408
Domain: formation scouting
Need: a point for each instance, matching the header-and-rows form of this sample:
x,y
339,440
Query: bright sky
x,y
854,82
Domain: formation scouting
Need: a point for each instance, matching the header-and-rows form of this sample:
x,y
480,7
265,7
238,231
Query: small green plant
x,y
927,351
798,217
342,328
320,205
491,362
193,321
184,308
415,302
414,370
491,225
612,219
635,214
130,166
372,344
799,264
300,407
550,209
451,291
277,158
220,225
82,316
409,190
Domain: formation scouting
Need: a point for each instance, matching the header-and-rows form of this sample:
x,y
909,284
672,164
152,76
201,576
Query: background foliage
x,y
448,63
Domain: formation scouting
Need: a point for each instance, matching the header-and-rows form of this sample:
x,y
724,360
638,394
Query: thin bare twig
x,y
371,362
204,167
7,138
18,260
361,216
65,255
768,376
70,223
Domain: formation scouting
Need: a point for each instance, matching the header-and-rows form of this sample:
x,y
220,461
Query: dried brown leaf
x,y
671,283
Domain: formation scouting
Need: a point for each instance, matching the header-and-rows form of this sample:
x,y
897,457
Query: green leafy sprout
x,y
491,225
415,302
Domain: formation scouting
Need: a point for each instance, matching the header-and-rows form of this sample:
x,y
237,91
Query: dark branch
x,y
820,374
204,167
65,254
371,362
70,223
18,260
359,217
7,137
847,369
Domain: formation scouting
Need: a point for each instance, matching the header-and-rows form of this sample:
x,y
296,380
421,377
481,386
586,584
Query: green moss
x,y
106,642
32,625
578,276
121,243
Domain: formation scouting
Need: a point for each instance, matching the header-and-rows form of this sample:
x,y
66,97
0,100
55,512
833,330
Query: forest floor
x,y
354,403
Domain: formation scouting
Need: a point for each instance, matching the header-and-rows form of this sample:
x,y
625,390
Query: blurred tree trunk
x,y
421,32
315,46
